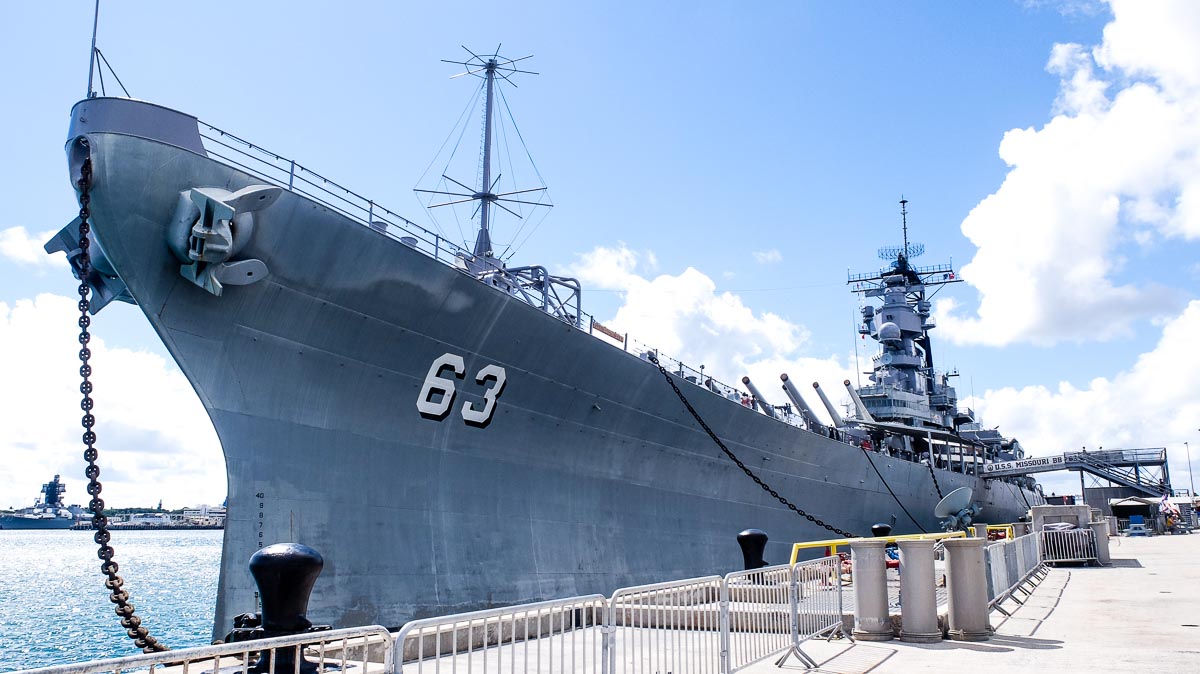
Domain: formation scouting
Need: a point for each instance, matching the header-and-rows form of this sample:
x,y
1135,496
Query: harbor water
x,y
54,608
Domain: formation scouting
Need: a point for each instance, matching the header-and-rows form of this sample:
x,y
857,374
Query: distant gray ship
x,y
452,433
47,513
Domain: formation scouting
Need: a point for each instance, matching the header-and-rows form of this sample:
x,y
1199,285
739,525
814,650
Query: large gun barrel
x,y
838,422
862,413
810,419
758,397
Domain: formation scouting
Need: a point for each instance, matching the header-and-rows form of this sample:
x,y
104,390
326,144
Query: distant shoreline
x,y
87,527
125,526
120,526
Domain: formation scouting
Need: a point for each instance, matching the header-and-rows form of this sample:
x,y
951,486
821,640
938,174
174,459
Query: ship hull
x,y
30,523
590,475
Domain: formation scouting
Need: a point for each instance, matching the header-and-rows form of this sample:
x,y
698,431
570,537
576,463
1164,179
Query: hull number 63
x,y
437,395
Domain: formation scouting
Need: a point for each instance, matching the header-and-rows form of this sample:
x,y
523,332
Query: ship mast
x,y
492,69
559,296
483,242
91,93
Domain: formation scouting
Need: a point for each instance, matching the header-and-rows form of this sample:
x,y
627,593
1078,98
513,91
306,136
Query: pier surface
x,y
1140,614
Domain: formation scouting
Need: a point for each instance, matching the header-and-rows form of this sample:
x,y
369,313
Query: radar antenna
x,y
489,68
908,251
899,256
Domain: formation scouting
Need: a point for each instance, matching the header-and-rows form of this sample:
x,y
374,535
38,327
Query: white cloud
x,y
1154,403
154,437
21,247
1156,40
1118,166
768,256
1069,7
685,318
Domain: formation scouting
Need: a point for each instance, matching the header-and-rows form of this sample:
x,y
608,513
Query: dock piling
x,y
871,619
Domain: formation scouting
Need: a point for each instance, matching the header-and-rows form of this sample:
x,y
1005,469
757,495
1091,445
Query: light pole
x,y
1191,482
1082,489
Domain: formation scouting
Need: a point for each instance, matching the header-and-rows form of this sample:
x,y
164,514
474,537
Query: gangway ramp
x,y
1144,470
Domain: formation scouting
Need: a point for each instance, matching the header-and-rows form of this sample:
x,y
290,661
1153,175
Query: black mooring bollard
x,y
881,529
285,574
753,542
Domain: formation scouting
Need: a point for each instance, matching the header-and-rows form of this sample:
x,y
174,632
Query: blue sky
x,y
728,161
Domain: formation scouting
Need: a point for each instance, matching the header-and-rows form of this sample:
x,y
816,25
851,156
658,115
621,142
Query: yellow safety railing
x,y
834,543
1009,533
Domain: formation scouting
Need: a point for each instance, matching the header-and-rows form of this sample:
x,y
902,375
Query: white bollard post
x,y
980,531
918,598
966,587
1101,531
871,619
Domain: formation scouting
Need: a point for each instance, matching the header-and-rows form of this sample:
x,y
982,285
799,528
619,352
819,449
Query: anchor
x,y
210,227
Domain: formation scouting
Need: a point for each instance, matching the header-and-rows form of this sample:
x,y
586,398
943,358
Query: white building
x,y
205,514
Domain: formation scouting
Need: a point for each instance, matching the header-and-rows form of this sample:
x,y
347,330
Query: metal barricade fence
x,y
679,626
564,635
1030,552
1009,565
760,605
1074,545
357,650
818,598
710,624
997,570
1012,564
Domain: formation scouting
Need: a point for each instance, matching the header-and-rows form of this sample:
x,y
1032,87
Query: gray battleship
x,y
451,432
47,513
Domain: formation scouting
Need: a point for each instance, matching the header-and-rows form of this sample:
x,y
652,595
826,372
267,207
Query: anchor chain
x,y
936,486
733,457
118,595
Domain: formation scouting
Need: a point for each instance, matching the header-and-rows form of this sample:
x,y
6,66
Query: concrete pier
x,y
1138,615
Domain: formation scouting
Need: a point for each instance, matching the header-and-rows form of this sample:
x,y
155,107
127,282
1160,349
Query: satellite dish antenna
x,y
956,510
953,502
